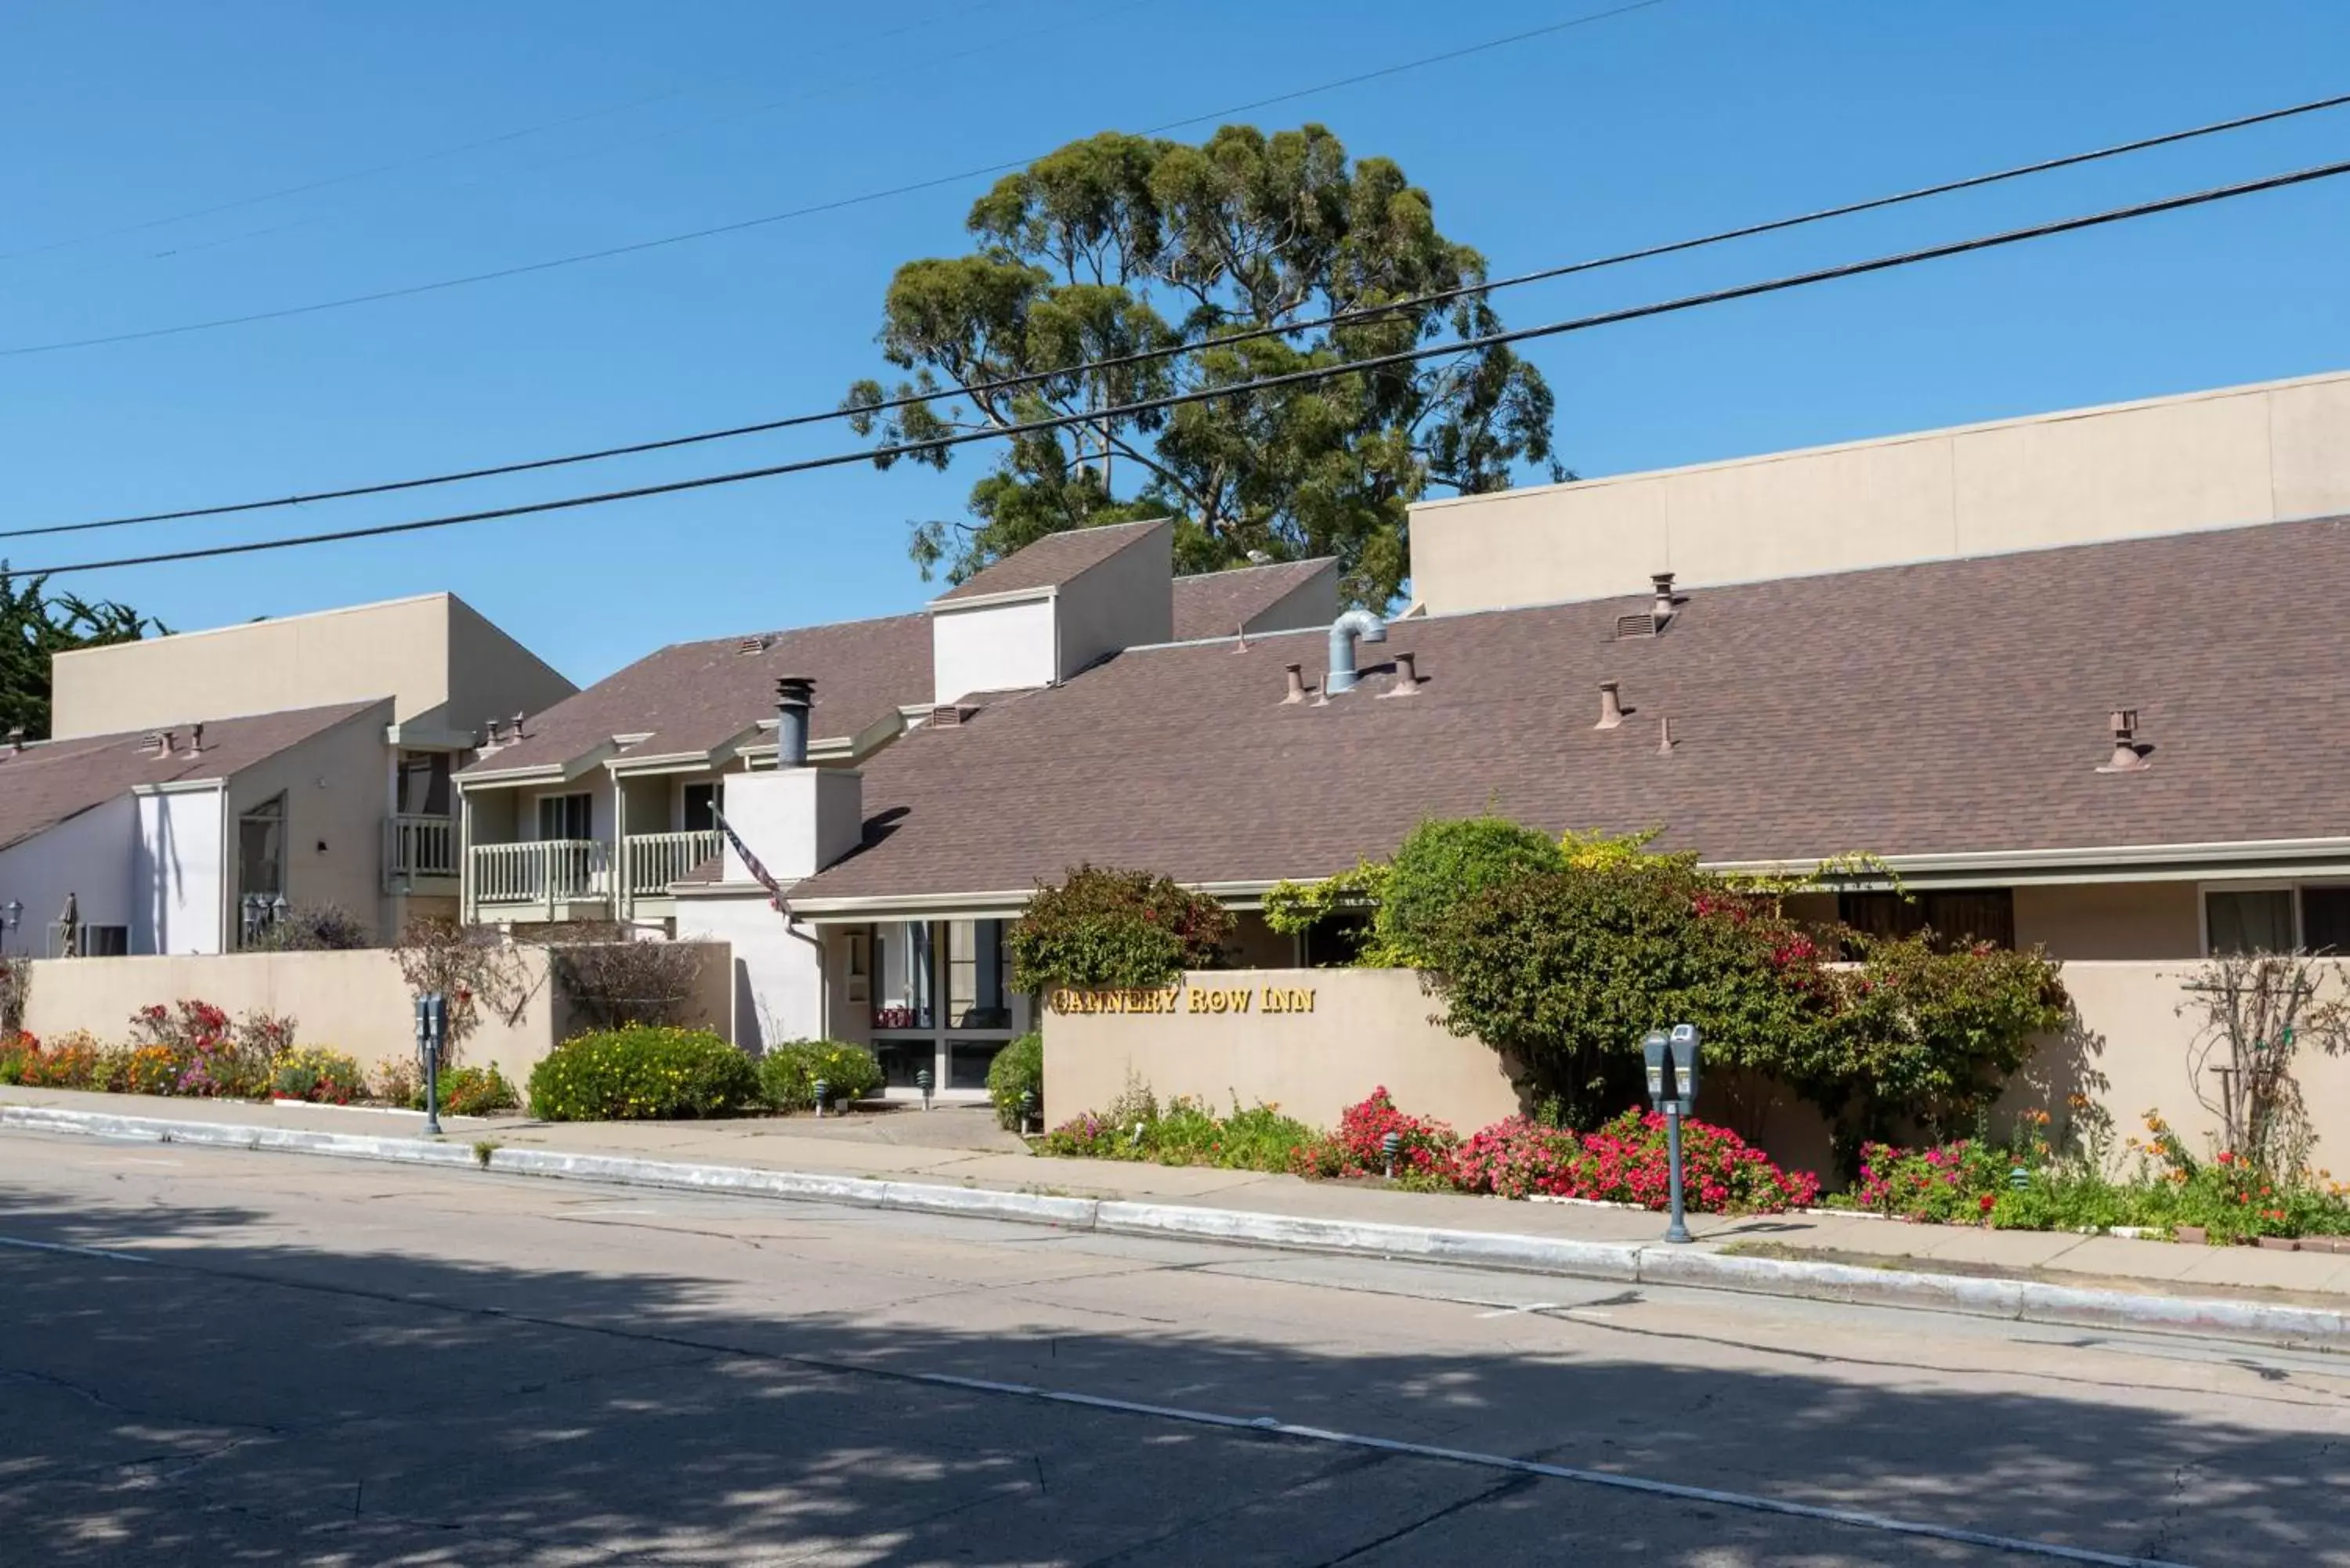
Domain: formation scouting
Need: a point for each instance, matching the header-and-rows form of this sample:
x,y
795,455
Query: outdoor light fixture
x,y
926,1083
1390,1145
1027,1108
10,913
1672,1062
823,1092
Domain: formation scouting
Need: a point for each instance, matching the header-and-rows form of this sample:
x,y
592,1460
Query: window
x,y
261,849
1335,941
1955,916
565,816
700,808
424,783
2251,921
968,1060
901,959
104,941
2325,920
975,969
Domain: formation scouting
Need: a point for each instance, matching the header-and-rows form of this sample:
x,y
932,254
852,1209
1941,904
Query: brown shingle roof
x,y
1055,558
1952,707
1218,604
53,781
691,697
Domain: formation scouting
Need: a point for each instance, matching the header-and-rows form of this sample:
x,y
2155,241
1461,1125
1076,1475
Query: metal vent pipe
x,y
1344,631
794,696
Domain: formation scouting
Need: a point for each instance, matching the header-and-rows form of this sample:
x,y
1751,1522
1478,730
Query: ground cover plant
x,y
642,1074
1136,1127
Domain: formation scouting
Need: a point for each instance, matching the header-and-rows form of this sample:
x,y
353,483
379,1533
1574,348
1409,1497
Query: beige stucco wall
x,y
2129,1054
421,652
2106,921
2217,459
355,1003
1369,1027
334,785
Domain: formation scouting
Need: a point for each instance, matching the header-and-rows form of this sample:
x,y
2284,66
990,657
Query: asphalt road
x,y
218,1357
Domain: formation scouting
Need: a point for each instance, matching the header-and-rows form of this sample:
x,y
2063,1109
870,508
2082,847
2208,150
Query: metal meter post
x,y
1671,1063
431,1033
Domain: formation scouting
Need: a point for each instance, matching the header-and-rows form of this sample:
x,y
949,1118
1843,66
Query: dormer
x,y
1043,613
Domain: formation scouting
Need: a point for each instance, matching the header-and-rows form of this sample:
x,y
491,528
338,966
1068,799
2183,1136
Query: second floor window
x,y
424,783
565,816
261,849
700,808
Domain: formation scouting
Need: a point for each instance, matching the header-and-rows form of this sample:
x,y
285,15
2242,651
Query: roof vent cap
x,y
1611,705
759,644
2129,752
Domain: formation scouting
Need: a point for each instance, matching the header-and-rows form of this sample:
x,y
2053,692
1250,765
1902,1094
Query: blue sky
x,y
1689,116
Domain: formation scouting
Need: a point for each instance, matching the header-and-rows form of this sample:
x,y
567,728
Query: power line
x,y
1294,377
1011,383
740,225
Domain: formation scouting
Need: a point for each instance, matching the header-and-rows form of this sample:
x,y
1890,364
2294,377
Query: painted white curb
x,y
1624,1262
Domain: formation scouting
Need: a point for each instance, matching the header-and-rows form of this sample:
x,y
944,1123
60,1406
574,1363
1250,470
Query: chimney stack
x,y
1664,586
1611,705
2127,757
1297,673
795,695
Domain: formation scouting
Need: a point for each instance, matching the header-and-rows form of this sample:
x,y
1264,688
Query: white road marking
x,y
1752,1502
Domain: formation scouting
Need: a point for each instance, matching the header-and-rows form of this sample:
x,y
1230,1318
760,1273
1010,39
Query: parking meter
x,y
432,1031
1685,1054
1658,1048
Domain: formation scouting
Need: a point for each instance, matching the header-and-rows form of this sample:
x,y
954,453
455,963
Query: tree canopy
x,y
36,623
1121,244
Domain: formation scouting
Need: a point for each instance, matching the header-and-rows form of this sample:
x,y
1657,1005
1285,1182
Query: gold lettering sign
x,y
1227,1000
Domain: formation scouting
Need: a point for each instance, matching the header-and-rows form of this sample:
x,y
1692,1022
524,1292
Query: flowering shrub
x,y
1186,1132
623,1075
1625,1162
313,1072
1104,927
75,1061
471,1092
16,1048
788,1072
1426,1150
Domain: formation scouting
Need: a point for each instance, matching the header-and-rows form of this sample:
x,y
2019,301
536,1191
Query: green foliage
x,y
1117,244
641,1074
1441,864
15,988
1101,927
1295,908
475,1092
1185,1132
1921,1038
34,626
787,1074
2035,1182
1018,1069
316,1073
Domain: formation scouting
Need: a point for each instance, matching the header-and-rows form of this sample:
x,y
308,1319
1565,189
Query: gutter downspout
x,y
1355,623
792,926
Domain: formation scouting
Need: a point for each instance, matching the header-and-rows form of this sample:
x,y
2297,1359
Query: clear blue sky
x,y
1694,114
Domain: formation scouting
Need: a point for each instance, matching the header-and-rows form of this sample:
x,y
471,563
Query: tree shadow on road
x,y
235,1395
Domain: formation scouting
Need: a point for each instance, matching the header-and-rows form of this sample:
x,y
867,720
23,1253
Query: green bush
x,y
474,1091
1018,1068
787,1074
1442,864
1103,928
641,1074
1185,1132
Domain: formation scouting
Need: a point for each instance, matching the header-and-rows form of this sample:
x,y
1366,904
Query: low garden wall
x,y
1329,1036
1332,1034
355,1003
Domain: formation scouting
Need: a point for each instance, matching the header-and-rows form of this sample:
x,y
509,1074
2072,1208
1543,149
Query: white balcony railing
x,y
548,871
657,860
418,846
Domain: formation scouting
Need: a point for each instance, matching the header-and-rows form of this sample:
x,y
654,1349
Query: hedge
x,y
641,1074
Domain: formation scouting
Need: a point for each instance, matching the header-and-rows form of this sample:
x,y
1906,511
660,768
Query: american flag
x,y
758,872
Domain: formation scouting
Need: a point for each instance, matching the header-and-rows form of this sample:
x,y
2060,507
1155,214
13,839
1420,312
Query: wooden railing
x,y
657,860
418,846
548,871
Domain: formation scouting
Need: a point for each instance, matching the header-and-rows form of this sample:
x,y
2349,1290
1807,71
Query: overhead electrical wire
x,y
1209,394
740,226
1122,361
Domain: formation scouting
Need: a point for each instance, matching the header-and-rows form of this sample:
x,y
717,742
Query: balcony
x,y
654,861
418,848
549,878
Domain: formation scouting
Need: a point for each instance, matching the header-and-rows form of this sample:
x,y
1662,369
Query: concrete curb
x,y
1621,1262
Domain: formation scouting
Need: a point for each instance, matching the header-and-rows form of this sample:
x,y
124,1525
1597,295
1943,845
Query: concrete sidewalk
x,y
958,1160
